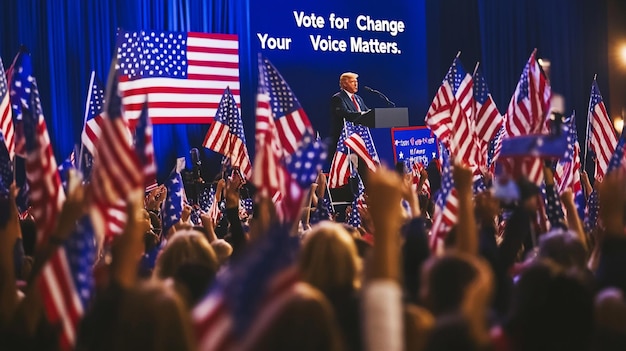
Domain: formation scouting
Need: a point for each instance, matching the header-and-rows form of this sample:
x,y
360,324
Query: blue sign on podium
x,y
414,145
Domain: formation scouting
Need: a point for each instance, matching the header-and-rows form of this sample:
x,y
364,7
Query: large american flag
x,y
6,115
567,172
249,295
340,165
46,192
361,142
527,114
183,74
291,121
449,115
603,139
66,282
116,171
446,204
226,135
93,120
487,118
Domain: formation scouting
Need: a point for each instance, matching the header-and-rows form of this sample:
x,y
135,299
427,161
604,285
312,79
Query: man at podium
x,y
345,104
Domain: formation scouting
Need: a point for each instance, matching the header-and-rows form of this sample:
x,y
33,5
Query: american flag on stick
x,y
527,114
144,147
46,192
226,135
6,116
117,170
290,119
567,172
93,114
340,165
446,205
247,298
282,172
602,136
66,282
361,142
182,73
487,118
449,115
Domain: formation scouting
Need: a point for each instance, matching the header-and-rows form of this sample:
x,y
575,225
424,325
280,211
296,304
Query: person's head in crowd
x,y
329,259
402,170
305,322
354,232
349,82
449,283
415,251
150,316
418,325
223,250
185,247
609,320
451,332
192,281
563,247
551,309
363,247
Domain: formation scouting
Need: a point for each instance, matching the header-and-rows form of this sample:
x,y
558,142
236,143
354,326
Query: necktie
x,y
356,104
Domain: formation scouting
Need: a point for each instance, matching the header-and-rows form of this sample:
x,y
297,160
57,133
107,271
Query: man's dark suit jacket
x,y
341,107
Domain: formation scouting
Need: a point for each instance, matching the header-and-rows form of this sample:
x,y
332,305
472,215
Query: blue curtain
x,y
70,38
502,34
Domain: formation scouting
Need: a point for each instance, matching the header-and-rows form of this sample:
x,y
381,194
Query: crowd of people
x,y
498,284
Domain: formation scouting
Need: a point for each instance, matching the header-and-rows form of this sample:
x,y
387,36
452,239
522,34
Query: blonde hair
x,y
329,259
222,249
187,246
345,76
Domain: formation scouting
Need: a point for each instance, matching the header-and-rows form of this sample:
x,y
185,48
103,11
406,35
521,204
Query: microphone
x,y
195,164
379,94
369,89
195,157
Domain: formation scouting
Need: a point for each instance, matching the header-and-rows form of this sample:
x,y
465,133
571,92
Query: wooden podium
x,y
389,117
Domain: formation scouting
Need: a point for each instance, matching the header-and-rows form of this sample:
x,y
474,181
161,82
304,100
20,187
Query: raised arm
x,y
237,236
382,295
467,232
573,221
9,232
128,247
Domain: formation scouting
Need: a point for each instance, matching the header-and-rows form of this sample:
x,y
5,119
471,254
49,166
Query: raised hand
x,y
462,178
612,193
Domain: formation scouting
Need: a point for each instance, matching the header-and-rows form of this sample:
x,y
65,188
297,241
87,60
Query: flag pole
x,y
588,128
89,92
476,68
